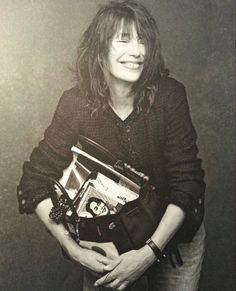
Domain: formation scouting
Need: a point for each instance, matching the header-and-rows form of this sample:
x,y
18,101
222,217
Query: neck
x,y
121,100
121,96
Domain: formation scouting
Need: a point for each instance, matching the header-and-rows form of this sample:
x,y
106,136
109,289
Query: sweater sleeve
x,y
182,165
50,157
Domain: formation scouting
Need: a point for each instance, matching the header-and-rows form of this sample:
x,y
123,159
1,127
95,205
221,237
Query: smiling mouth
x,y
132,65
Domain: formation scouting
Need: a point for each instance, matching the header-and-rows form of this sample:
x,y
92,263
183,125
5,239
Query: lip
x,y
131,64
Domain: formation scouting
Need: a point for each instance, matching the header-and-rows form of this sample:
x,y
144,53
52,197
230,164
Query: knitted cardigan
x,y
160,142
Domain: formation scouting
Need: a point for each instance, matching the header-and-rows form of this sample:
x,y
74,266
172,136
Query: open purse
x,y
104,203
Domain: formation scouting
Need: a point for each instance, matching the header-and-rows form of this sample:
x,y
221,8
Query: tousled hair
x,y
95,44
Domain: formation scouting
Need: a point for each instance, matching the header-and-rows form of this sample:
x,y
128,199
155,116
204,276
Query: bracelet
x,y
158,253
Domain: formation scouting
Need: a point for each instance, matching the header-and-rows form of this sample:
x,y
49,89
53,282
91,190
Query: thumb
x,y
112,265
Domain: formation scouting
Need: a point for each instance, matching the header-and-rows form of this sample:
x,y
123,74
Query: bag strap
x,y
97,150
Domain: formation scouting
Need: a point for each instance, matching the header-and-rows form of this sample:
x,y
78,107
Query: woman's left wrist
x,y
155,249
147,255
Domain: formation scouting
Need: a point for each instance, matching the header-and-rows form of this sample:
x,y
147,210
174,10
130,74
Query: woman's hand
x,y
89,259
127,268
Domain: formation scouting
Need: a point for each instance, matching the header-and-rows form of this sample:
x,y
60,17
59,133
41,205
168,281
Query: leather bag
x,y
131,226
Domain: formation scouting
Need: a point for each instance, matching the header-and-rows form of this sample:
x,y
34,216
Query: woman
x,y
125,101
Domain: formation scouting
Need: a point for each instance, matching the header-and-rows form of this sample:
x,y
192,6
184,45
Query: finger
x,y
95,266
104,260
104,280
112,265
122,287
113,285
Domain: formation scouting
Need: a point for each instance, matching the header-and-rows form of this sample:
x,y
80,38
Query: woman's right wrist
x,y
73,250
58,231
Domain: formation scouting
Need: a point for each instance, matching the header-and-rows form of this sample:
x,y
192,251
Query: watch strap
x,y
158,253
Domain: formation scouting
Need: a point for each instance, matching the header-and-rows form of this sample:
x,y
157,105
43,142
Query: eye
x,y
124,37
140,40
123,40
95,208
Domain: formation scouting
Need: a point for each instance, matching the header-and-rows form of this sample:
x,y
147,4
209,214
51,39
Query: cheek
x,y
111,57
96,211
143,50
115,52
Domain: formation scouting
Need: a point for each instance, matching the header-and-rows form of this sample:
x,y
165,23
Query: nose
x,y
136,48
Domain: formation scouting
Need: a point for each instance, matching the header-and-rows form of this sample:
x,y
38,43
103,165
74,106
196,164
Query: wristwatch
x,y
158,253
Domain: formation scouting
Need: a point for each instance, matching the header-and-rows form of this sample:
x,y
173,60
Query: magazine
x,y
97,195
125,181
102,196
74,177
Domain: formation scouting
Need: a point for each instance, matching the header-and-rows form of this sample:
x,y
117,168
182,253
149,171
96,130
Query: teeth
x,y
132,65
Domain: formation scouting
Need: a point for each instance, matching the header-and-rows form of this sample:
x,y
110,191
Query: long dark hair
x,y
95,45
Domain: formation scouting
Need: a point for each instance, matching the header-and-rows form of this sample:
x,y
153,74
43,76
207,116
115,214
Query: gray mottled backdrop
x,y
38,42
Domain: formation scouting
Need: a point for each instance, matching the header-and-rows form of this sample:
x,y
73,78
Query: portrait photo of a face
x,y
97,207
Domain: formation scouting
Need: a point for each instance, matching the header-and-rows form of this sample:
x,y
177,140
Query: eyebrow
x,y
123,35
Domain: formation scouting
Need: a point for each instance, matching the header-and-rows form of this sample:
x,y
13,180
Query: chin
x,y
126,76
130,78
104,213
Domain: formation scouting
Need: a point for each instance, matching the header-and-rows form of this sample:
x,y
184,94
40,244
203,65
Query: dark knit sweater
x,y
160,142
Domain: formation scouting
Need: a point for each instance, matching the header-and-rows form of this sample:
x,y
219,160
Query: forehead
x,y
93,204
126,27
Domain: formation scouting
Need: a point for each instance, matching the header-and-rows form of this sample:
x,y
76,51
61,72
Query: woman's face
x,y
99,208
125,57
